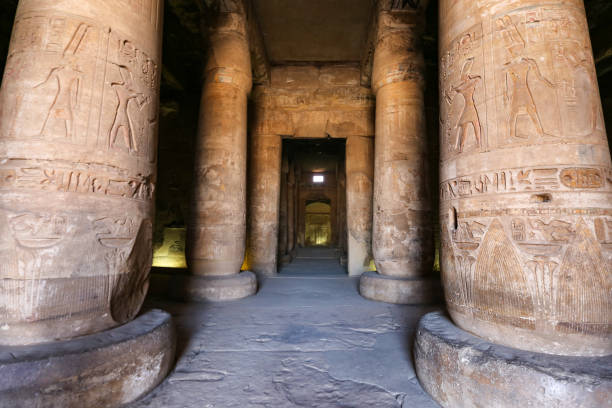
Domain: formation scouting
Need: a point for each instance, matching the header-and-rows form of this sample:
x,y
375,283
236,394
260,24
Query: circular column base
x,y
459,369
403,291
106,369
195,288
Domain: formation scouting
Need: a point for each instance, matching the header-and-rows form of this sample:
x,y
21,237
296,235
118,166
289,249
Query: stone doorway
x,y
313,200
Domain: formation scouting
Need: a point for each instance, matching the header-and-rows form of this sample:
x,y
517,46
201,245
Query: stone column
x,y
526,203
217,229
359,181
78,140
264,195
402,237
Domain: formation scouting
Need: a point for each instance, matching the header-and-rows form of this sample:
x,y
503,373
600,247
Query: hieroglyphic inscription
x,y
545,78
524,180
73,180
462,96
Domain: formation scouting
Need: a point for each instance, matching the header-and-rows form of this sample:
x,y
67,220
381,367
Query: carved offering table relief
x,y
526,196
78,124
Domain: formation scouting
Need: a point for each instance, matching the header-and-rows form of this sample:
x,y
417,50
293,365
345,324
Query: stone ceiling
x,y
313,30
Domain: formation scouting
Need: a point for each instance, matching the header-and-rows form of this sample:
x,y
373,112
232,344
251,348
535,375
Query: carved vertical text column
x,y
402,236
264,194
218,222
359,182
526,204
78,129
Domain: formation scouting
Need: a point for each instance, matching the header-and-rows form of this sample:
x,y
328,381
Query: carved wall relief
x,y
542,260
544,76
98,88
462,107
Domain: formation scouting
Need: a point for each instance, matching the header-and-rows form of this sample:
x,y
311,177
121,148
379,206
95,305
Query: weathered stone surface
x,y
526,203
460,370
106,369
217,230
78,128
402,241
212,287
264,201
305,340
404,291
359,181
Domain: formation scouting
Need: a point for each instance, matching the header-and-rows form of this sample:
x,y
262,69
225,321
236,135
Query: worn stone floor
x,y
306,340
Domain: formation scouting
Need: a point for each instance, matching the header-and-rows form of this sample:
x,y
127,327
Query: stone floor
x,y
306,340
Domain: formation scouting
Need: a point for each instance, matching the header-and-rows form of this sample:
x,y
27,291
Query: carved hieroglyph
x,y
526,205
217,230
402,240
359,181
78,123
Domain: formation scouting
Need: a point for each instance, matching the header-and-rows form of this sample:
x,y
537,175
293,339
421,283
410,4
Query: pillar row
x,y
525,209
402,238
217,228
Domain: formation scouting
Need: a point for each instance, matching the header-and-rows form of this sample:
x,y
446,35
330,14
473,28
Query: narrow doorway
x,y
312,221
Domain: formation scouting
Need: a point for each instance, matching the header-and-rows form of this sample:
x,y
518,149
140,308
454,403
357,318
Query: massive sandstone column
x,y
526,207
526,202
402,238
78,128
264,194
217,230
359,181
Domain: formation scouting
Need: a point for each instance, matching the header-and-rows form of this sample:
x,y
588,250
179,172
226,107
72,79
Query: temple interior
x,y
305,203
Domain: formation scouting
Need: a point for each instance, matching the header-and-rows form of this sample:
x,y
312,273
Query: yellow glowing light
x,y
172,252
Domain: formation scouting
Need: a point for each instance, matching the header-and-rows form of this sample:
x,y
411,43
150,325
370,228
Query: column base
x,y
195,288
106,369
459,369
403,291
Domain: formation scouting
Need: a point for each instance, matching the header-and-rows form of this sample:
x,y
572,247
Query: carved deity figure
x,y
67,79
126,91
517,92
469,115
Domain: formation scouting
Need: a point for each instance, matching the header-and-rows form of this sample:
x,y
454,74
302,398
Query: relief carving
x,y
460,117
469,114
39,230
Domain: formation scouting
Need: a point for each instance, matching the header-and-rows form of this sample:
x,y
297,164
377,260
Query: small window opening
x,y
318,179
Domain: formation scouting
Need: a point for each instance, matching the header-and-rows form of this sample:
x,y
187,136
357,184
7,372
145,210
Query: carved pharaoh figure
x,y
469,116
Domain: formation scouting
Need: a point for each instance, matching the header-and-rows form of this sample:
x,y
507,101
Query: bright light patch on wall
x,y
318,179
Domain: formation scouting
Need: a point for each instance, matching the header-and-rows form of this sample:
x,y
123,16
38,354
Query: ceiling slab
x,y
314,30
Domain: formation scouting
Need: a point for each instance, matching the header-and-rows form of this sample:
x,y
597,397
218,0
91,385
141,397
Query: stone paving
x,y
307,339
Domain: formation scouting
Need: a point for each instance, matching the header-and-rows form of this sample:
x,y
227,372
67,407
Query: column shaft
x,y
359,180
526,204
264,190
78,129
217,229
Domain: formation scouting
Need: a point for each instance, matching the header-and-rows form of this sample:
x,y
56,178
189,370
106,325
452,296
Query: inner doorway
x,y
312,224
318,224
